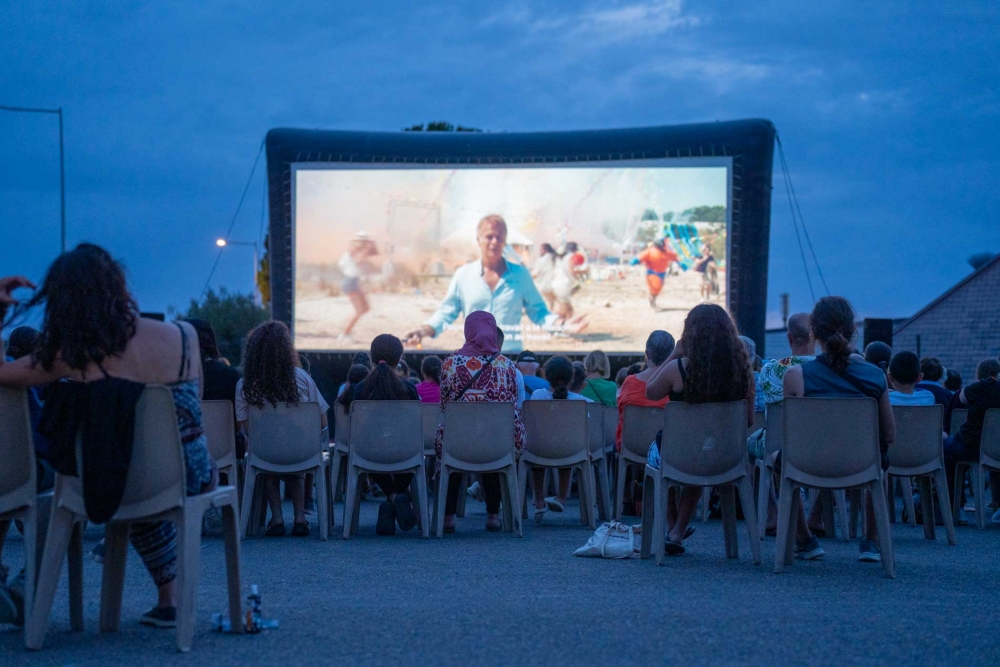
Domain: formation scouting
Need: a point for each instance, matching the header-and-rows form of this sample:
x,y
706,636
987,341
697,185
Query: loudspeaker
x,y
877,329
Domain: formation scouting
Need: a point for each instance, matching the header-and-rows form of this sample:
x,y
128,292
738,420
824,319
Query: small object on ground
x,y
405,516
386,523
811,550
869,552
160,617
554,504
475,492
300,529
610,540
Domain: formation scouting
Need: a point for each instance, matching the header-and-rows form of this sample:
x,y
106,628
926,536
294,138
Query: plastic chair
x,y
17,479
386,437
917,453
598,464
286,440
639,429
557,435
479,438
155,490
764,469
220,430
830,443
958,418
338,454
610,429
703,445
989,461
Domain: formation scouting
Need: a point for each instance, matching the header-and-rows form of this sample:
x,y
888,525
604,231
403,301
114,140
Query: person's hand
x,y
417,335
8,285
574,325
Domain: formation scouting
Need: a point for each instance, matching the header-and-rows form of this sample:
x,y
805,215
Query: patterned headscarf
x,y
480,335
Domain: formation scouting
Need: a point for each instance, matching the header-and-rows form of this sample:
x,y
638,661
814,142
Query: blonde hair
x,y
598,362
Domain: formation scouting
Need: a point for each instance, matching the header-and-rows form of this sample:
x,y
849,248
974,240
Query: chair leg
x,y
522,487
603,492
786,532
884,528
322,506
420,480
750,517
350,500
30,557
956,491
247,508
57,540
979,475
841,502
620,487
586,488
648,512
463,496
763,497
706,503
727,503
113,575
927,501
905,485
941,484
661,492
514,491
189,555
854,509
440,500
230,528
75,561
335,479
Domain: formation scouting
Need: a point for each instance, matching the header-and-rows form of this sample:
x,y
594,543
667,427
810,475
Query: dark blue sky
x,y
889,114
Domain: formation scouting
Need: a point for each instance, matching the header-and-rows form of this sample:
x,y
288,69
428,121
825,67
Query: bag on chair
x,y
610,540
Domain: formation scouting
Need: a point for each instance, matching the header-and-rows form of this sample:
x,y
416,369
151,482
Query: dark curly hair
x,y
718,367
89,313
832,323
269,362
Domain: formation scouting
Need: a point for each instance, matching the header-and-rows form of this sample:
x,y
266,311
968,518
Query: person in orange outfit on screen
x,y
657,259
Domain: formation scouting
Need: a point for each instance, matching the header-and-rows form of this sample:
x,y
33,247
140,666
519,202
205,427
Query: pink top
x,y
429,392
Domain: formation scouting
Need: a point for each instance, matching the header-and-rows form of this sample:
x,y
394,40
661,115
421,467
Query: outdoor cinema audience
x,y
904,379
599,388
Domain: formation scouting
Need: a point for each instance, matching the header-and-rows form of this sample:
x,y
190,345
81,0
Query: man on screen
x,y
499,287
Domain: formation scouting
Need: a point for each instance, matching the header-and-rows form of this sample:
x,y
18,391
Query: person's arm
x,y
447,312
793,383
534,304
751,402
22,373
660,385
677,353
962,398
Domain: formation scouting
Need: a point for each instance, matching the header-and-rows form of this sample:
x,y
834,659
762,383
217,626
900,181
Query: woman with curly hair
x,y
708,365
92,334
272,375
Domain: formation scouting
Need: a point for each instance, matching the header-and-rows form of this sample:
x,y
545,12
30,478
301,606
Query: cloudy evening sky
x,y
888,112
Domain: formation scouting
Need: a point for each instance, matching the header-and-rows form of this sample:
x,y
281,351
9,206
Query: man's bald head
x,y
800,336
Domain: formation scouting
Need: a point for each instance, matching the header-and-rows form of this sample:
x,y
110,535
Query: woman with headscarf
x,y
479,373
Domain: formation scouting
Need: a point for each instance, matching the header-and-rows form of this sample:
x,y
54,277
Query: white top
x,y
348,266
918,397
544,267
562,275
308,392
546,395
520,388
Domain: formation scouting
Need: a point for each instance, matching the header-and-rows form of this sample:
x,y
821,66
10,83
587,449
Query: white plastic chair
x,y
557,435
830,443
17,479
479,438
286,440
598,463
155,490
703,445
989,461
917,452
639,428
386,437
764,469
220,430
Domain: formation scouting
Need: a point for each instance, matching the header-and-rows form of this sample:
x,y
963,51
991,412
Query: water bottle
x,y
253,619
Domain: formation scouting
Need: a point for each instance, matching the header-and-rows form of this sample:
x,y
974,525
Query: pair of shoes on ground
x,y
552,504
811,550
677,548
160,617
399,510
278,530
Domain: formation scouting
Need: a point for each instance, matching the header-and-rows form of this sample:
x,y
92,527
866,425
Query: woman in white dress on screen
x,y
543,272
360,250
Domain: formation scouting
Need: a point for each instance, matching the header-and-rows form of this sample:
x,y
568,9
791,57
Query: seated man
x,y
904,376
527,363
933,373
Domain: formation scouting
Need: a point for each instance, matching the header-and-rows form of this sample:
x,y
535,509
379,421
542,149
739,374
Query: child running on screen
x,y
361,249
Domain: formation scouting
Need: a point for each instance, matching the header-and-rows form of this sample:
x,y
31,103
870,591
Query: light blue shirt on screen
x,y
515,295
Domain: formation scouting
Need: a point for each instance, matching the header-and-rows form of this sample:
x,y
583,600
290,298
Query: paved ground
x,y
479,598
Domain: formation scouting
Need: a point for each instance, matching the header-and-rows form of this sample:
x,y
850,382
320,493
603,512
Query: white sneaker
x,y
553,504
475,492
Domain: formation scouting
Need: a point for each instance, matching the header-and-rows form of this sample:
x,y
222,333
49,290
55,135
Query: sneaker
x,y
996,518
810,550
160,617
405,516
211,523
869,552
475,492
493,524
98,552
386,524
310,507
554,504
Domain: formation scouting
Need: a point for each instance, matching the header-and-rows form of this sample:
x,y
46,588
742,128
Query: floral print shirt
x,y
772,377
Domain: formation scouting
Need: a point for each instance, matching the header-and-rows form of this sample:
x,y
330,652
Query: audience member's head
x,y
430,369
206,338
269,362
500,339
305,364
635,369
384,382
527,363
832,325
22,342
953,380
355,375
750,346
904,371
597,364
559,373
878,354
932,369
800,336
659,345
89,313
579,377
718,367
362,358
988,369
403,369
621,375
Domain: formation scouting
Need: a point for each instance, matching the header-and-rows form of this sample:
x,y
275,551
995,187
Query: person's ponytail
x,y
559,373
838,351
383,384
832,322
560,392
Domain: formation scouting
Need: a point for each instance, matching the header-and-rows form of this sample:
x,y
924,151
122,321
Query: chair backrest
x,y
283,436
386,435
556,431
17,474
639,428
704,444
478,435
220,429
610,426
917,448
958,417
341,425
759,422
155,482
432,418
831,442
990,445
774,434
595,427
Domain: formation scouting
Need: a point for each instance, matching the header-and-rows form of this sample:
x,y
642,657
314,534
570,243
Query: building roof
x,y
954,288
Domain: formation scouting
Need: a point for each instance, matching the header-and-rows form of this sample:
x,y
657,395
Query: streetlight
x,y
62,171
222,243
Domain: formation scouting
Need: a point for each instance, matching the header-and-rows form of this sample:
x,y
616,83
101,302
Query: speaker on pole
x,y
878,329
